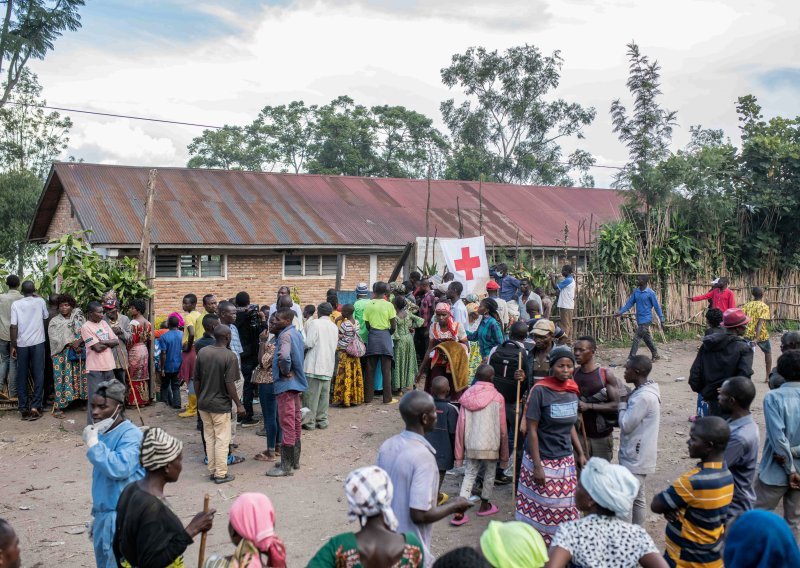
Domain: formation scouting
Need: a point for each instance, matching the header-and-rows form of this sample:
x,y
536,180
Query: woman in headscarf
x,y
141,333
760,539
602,538
474,321
69,358
513,545
251,527
405,358
489,333
369,500
348,387
547,480
447,354
148,534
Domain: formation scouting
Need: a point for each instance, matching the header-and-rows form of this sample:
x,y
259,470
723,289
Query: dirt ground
x,y
45,478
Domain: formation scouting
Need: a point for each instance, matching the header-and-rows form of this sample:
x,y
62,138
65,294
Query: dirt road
x,y
45,477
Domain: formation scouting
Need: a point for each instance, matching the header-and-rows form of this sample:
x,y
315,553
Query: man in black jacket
x,y
720,357
250,323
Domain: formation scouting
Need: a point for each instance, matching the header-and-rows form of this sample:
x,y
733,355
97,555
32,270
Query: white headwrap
x,y
369,493
611,486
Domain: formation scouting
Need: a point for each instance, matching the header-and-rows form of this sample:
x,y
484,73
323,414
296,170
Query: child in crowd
x,y
696,504
443,436
171,348
481,438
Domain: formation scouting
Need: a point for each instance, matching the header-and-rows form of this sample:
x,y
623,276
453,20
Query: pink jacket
x,y
481,431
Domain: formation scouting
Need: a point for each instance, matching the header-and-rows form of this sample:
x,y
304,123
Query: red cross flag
x,y
466,259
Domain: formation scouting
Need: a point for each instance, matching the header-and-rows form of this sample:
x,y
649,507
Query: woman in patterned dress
x,y
69,370
475,358
405,357
348,390
141,333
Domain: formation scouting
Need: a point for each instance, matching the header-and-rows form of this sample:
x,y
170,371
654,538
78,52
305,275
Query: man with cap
x,y
721,356
542,332
719,296
113,444
493,292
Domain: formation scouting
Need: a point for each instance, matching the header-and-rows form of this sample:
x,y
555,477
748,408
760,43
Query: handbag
x,y
74,356
356,347
262,374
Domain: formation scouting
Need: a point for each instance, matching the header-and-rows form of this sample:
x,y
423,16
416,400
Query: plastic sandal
x,y
493,510
456,522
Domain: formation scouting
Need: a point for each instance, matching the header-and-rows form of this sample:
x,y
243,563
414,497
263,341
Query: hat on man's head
x,y
362,289
544,327
715,282
560,352
734,317
492,285
114,390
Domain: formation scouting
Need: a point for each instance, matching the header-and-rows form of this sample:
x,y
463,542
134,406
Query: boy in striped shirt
x,y
696,505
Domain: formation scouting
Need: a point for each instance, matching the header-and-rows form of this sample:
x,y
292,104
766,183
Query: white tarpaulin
x,y
466,259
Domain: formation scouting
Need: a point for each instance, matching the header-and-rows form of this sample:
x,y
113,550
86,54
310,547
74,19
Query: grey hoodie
x,y
638,430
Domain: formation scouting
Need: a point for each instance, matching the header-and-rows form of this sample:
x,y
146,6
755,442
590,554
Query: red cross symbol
x,y
467,263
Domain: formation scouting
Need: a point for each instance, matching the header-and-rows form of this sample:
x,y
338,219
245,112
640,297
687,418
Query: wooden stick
x,y
516,433
201,555
133,394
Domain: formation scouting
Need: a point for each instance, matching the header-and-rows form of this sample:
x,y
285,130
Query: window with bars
x,y
310,265
190,266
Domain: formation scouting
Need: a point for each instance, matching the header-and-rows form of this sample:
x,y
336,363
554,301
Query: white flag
x,y
466,259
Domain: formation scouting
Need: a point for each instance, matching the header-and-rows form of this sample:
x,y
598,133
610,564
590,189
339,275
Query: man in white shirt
x,y
454,290
566,299
27,347
8,365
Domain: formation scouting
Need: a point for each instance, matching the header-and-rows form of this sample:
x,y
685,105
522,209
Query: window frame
x,y
303,275
223,268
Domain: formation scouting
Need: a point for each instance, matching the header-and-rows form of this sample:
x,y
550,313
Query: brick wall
x,y
63,221
261,276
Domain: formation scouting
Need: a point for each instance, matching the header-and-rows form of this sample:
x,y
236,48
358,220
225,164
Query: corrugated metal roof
x,y
233,208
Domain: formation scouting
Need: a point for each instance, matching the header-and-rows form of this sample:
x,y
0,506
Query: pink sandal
x,y
493,510
456,522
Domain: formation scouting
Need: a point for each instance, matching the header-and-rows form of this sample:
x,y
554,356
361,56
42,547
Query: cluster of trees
x,y
507,127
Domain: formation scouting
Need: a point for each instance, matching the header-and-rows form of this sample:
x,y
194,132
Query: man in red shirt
x,y
719,295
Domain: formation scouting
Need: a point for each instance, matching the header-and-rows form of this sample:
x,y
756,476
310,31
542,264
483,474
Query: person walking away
x,y
760,539
289,385
547,302
322,338
509,286
250,322
639,419
696,504
602,538
405,365
721,356
369,493
790,341
493,292
113,445
409,461
741,453
545,495
99,339
251,526
481,439
27,347
757,332
147,533
121,326
719,296
348,390
140,336
454,291
778,476
170,346
443,436
380,319
191,332
215,376
69,357
566,299
8,364
645,300
599,399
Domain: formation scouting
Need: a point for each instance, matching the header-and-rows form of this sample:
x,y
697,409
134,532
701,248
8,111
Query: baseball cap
x,y
492,285
543,327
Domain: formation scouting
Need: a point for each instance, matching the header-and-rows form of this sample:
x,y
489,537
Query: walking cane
x,y
516,432
133,394
202,554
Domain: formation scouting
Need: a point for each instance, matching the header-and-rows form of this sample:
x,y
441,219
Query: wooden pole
x,y
460,224
201,555
516,433
133,394
145,264
480,205
427,219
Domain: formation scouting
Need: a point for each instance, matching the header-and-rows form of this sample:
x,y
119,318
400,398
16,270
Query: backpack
x,y
505,362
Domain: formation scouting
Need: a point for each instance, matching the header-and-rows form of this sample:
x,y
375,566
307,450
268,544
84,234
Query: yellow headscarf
x,y
513,545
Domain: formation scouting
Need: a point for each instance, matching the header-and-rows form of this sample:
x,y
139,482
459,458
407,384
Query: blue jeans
x,y
8,369
30,360
269,410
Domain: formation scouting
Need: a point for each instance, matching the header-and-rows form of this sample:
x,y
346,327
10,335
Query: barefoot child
x,y
442,438
481,438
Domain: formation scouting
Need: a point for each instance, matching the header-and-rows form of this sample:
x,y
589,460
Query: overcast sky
x,y
219,62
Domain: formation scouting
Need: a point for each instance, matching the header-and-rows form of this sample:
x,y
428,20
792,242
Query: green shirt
x,y
358,315
379,313
342,550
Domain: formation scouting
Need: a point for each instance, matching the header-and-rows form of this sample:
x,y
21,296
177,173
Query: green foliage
x,y
86,274
616,247
509,128
19,193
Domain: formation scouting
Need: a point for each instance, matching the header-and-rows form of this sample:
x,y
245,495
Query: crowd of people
x,y
488,388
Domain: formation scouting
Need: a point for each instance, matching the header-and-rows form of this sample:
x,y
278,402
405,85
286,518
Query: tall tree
x,y
646,131
30,28
285,133
508,129
229,148
407,143
344,139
